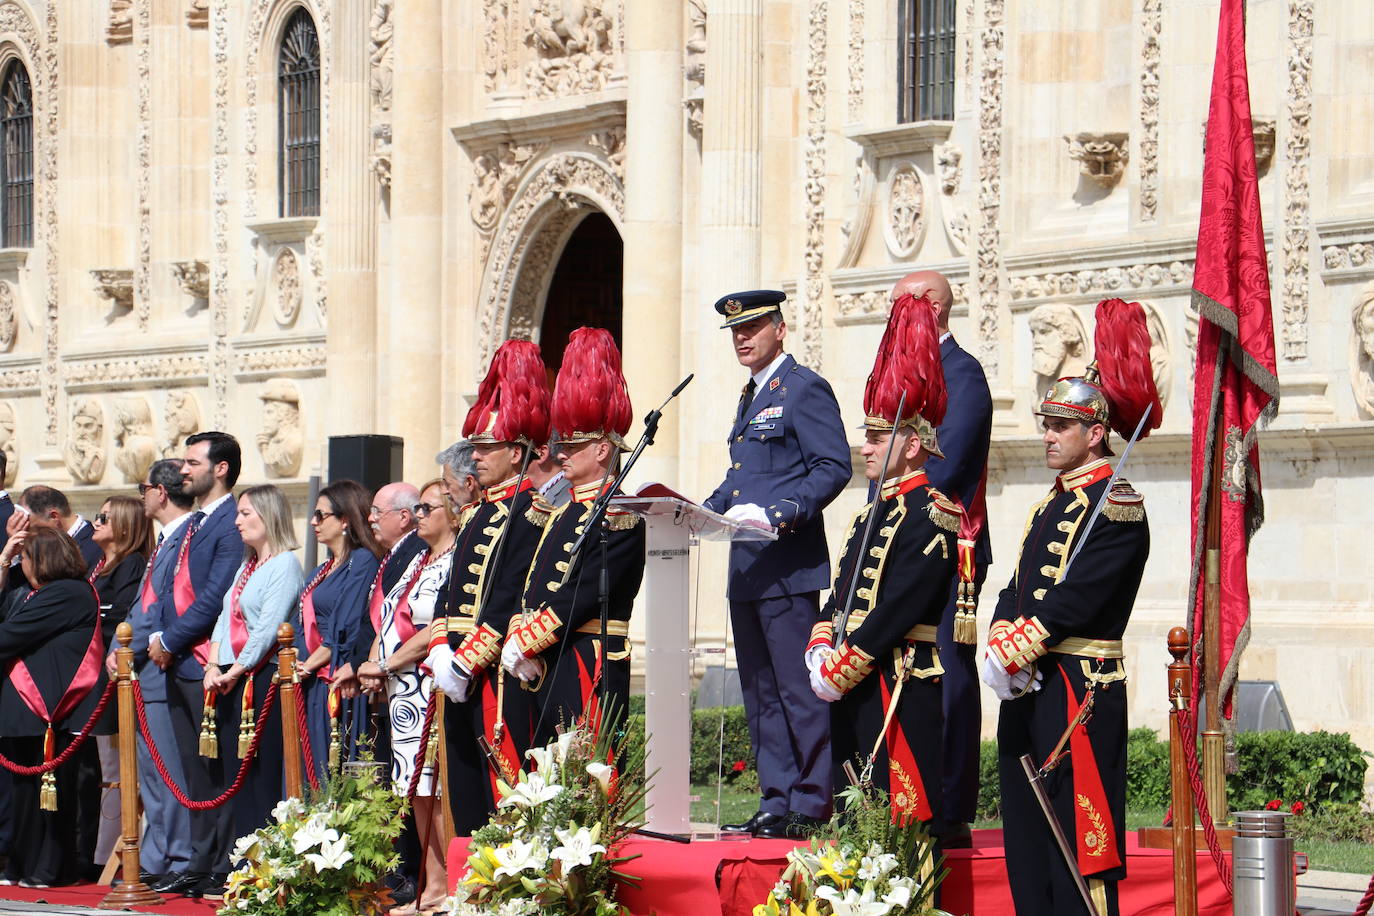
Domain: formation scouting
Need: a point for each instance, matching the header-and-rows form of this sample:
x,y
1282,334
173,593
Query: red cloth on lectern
x,y
1236,387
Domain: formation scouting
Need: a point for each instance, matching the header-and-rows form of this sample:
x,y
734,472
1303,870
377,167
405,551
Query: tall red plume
x,y
908,360
515,388
590,394
1122,345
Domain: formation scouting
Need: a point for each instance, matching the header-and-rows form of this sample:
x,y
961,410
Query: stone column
x,y
350,199
412,365
653,225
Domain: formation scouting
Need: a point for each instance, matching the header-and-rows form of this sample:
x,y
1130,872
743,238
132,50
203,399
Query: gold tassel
x,y
209,732
965,619
432,747
247,724
47,794
335,729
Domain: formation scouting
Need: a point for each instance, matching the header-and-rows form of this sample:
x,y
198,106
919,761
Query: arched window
x,y
298,108
925,67
16,168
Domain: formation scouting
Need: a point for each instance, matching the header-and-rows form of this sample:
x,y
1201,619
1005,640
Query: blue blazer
x,y
965,434
340,603
146,624
215,554
789,455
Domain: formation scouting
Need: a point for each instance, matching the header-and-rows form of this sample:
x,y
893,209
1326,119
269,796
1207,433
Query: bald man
x,y
964,438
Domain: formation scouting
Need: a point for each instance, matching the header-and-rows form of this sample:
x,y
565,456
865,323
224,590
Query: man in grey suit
x,y
166,848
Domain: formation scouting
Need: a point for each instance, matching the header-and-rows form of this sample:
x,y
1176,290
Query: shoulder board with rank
x,y
944,512
1124,504
539,511
620,520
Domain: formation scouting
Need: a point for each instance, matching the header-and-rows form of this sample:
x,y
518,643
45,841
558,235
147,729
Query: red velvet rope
x,y
1187,728
424,744
1366,901
304,728
71,748
233,789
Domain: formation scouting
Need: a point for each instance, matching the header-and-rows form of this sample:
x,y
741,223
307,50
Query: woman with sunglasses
x,y
51,654
125,537
333,603
402,643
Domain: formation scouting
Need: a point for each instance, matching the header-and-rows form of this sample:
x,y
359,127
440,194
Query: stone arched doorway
x,y
586,289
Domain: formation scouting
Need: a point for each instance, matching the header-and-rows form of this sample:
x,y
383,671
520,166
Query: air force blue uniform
x,y
964,438
788,455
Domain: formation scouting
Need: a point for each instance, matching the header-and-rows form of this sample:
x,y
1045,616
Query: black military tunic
x,y
482,566
907,570
1070,628
561,626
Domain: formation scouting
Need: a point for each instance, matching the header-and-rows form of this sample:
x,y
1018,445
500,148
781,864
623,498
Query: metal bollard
x,y
1262,858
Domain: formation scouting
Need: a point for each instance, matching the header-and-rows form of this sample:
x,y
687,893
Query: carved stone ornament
x,y
1161,360
573,41
1362,351
694,70
281,440
1059,344
198,14
381,154
905,210
496,174
115,285
9,444
380,56
9,316
1101,157
1353,256
949,168
193,277
286,287
135,447
180,419
611,143
120,27
85,451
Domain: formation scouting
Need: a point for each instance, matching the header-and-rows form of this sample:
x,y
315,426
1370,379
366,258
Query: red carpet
x,y
678,877
90,895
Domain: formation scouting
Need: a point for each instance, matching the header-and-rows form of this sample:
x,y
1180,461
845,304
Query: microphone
x,y
678,390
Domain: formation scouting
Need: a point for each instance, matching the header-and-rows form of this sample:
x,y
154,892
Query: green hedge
x,y
707,749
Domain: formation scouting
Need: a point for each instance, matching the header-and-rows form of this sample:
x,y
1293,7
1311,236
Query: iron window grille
x,y
925,66
16,123
298,113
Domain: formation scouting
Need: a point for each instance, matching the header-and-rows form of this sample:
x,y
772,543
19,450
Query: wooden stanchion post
x,y
131,892
1184,839
286,700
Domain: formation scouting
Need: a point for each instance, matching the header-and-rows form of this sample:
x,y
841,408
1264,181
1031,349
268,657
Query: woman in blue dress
x,y
333,603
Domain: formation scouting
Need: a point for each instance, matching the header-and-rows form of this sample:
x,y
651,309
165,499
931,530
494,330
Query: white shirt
x,y
766,373
551,483
172,527
945,336
210,509
76,526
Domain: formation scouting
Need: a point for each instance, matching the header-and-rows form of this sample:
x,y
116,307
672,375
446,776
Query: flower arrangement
x,y
324,856
862,864
551,847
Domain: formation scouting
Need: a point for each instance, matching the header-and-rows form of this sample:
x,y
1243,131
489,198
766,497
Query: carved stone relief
x,y
1101,156
9,316
1149,109
286,287
694,70
611,143
380,69
501,42
855,109
135,447
949,169
1296,207
1161,359
193,277
220,194
814,159
117,286
143,143
9,444
1059,344
198,14
281,440
496,174
180,419
1101,280
1362,351
120,27
1350,256
85,448
987,264
905,211
574,45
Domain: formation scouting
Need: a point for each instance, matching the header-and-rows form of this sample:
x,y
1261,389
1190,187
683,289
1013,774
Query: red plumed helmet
x,y
908,361
1125,374
590,398
513,400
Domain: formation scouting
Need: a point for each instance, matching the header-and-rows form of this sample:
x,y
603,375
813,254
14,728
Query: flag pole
x,y
1213,741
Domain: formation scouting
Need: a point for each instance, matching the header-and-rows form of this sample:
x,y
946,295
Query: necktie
x,y
746,397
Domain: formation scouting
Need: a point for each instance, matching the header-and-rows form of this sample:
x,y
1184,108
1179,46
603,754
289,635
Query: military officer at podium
x,y
789,458
1055,638
873,653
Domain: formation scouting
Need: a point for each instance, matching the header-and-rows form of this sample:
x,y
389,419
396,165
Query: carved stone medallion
x,y
8,443
85,441
1059,344
135,447
286,287
905,210
180,419
281,440
9,316
1362,351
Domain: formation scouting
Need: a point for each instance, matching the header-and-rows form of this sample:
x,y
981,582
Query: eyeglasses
x,y
145,488
318,516
379,511
102,519
423,510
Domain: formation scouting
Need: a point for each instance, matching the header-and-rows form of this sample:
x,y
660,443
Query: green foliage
x,y
1334,821
1315,768
711,756
1147,770
989,795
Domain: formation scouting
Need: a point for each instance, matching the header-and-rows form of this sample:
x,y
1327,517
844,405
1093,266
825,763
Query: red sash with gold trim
x,y
87,673
1094,832
238,624
906,789
183,589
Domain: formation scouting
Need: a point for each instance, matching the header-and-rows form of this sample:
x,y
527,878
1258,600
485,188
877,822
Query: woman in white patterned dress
x,y
401,645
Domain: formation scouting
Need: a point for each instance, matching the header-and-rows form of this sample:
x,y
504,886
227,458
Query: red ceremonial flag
x,y
1235,386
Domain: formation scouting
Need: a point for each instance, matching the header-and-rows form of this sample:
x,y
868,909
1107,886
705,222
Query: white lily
x,y
287,809
312,833
577,849
333,854
516,857
602,773
530,791
851,903
898,896
243,847
543,759
565,741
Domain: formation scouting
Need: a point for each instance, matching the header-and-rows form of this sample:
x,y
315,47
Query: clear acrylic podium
x,y
672,527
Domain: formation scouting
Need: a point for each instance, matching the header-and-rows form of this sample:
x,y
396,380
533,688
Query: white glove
x,y
748,514
448,674
527,669
816,657
510,655
995,675
1027,680
822,689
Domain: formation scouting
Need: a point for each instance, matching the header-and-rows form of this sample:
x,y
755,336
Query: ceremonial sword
x,y
1102,500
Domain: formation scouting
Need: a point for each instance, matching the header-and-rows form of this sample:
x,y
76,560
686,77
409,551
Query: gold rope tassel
x,y
47,793
965,618
335,730
432,746
248,726
209,732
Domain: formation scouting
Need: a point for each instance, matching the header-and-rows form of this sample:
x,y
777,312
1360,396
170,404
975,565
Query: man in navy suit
x,y
49,508
789,459
209,555
964,436
166,847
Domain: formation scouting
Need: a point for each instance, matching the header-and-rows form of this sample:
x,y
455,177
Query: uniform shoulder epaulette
x,y
466,513
1124,504
539,511
620,520
944,512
